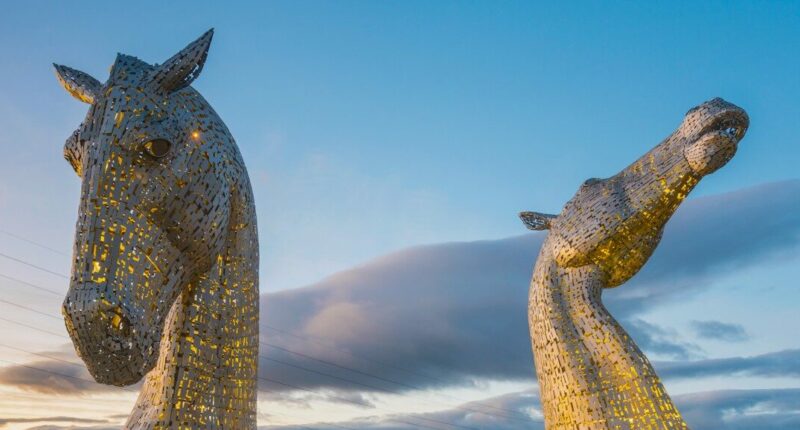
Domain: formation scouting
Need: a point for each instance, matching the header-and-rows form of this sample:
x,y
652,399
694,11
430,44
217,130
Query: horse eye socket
x,y
157,148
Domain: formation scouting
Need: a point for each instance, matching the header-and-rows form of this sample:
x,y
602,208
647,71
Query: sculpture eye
x,y
157,148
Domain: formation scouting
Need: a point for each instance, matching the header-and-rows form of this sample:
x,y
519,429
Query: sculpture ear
x,y
184,67
536,220
80,85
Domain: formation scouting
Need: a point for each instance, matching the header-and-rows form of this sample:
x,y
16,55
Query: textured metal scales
x,y
591,373
164,279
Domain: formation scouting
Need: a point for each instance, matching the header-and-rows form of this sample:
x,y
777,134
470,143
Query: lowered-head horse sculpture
x,y
164,278
591,373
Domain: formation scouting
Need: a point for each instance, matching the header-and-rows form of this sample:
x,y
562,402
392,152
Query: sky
x,y
391,145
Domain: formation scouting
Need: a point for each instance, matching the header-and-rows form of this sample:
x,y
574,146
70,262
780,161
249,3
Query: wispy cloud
x,y
54,372
57,419
454,314
451,310
660,340
777,409
50,377
773,409
780,364
72,427
767,409
718,330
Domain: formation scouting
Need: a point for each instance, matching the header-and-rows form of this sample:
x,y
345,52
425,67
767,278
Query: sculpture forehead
x,y
127,68
127,86
713,106
126,90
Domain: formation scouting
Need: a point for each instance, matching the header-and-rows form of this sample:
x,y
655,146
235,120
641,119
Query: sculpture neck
x,y
591,374
206,374
650,191
661,178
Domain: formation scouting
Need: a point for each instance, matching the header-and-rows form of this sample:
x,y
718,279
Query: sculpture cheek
x,y
708,155
564,253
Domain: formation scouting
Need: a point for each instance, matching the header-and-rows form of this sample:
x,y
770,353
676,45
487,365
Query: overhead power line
x,y
339,398
63,375
60,275
296,366
32,327
31,310
78,378
18,237
402,384
10,278
49,357
520,416
129,389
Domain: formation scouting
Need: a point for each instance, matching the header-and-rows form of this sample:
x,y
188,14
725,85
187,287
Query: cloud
x,y
514,411
456,313
660,340
780,364
50,377
711,235
769,409
719,331
58,372
59,427
773,409
59,419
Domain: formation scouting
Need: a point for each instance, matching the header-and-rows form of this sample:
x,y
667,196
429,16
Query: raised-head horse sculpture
x,y
164,278
591,373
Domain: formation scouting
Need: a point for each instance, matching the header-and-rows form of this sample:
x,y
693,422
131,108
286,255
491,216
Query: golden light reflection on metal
x,y
162,283
591,373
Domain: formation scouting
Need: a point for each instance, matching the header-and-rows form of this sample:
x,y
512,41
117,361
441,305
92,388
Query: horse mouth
x,y
107,342
116,362
729,125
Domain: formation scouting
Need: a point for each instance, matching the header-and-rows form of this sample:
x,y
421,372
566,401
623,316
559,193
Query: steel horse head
x,y
165,266
591,373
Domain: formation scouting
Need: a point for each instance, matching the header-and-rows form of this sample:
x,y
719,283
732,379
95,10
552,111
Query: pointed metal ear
x,y
80,85
184,67
536,220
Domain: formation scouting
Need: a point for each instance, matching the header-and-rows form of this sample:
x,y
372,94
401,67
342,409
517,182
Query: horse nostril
x,y
120,325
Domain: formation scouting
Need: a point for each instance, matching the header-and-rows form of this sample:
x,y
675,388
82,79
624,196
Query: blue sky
x,y
370,127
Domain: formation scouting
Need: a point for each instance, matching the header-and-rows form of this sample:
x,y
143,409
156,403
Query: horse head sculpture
x,y
591,374
165,269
